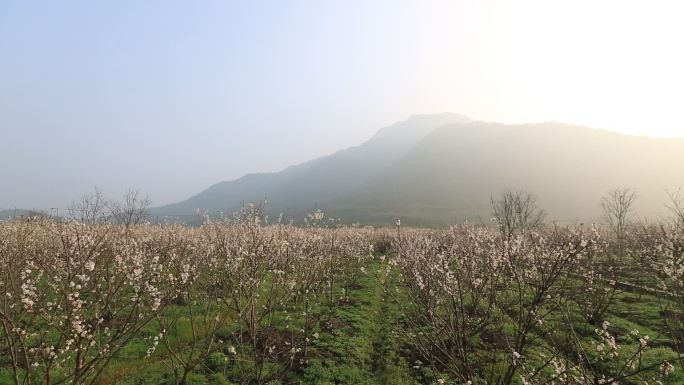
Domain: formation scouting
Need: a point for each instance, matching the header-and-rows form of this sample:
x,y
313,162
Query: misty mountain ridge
x,y
444,168
11,213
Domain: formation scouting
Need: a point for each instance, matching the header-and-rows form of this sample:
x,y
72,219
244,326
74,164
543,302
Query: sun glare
x,y
607,64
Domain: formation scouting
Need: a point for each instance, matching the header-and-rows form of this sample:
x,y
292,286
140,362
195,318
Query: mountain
x,y
302,188
441,169
11,213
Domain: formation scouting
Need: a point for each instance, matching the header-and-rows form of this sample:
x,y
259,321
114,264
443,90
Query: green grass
x,y
358,344
363,349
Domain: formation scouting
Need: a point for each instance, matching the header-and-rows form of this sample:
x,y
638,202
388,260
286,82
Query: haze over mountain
x,y
10,213
444,168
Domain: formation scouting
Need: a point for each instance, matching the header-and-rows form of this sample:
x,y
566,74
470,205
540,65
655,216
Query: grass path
x,y
363,348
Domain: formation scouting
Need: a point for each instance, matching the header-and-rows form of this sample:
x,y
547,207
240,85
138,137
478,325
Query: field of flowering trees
x,y
243,302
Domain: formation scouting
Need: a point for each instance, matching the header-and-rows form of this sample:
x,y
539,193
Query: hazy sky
x,y
170,97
